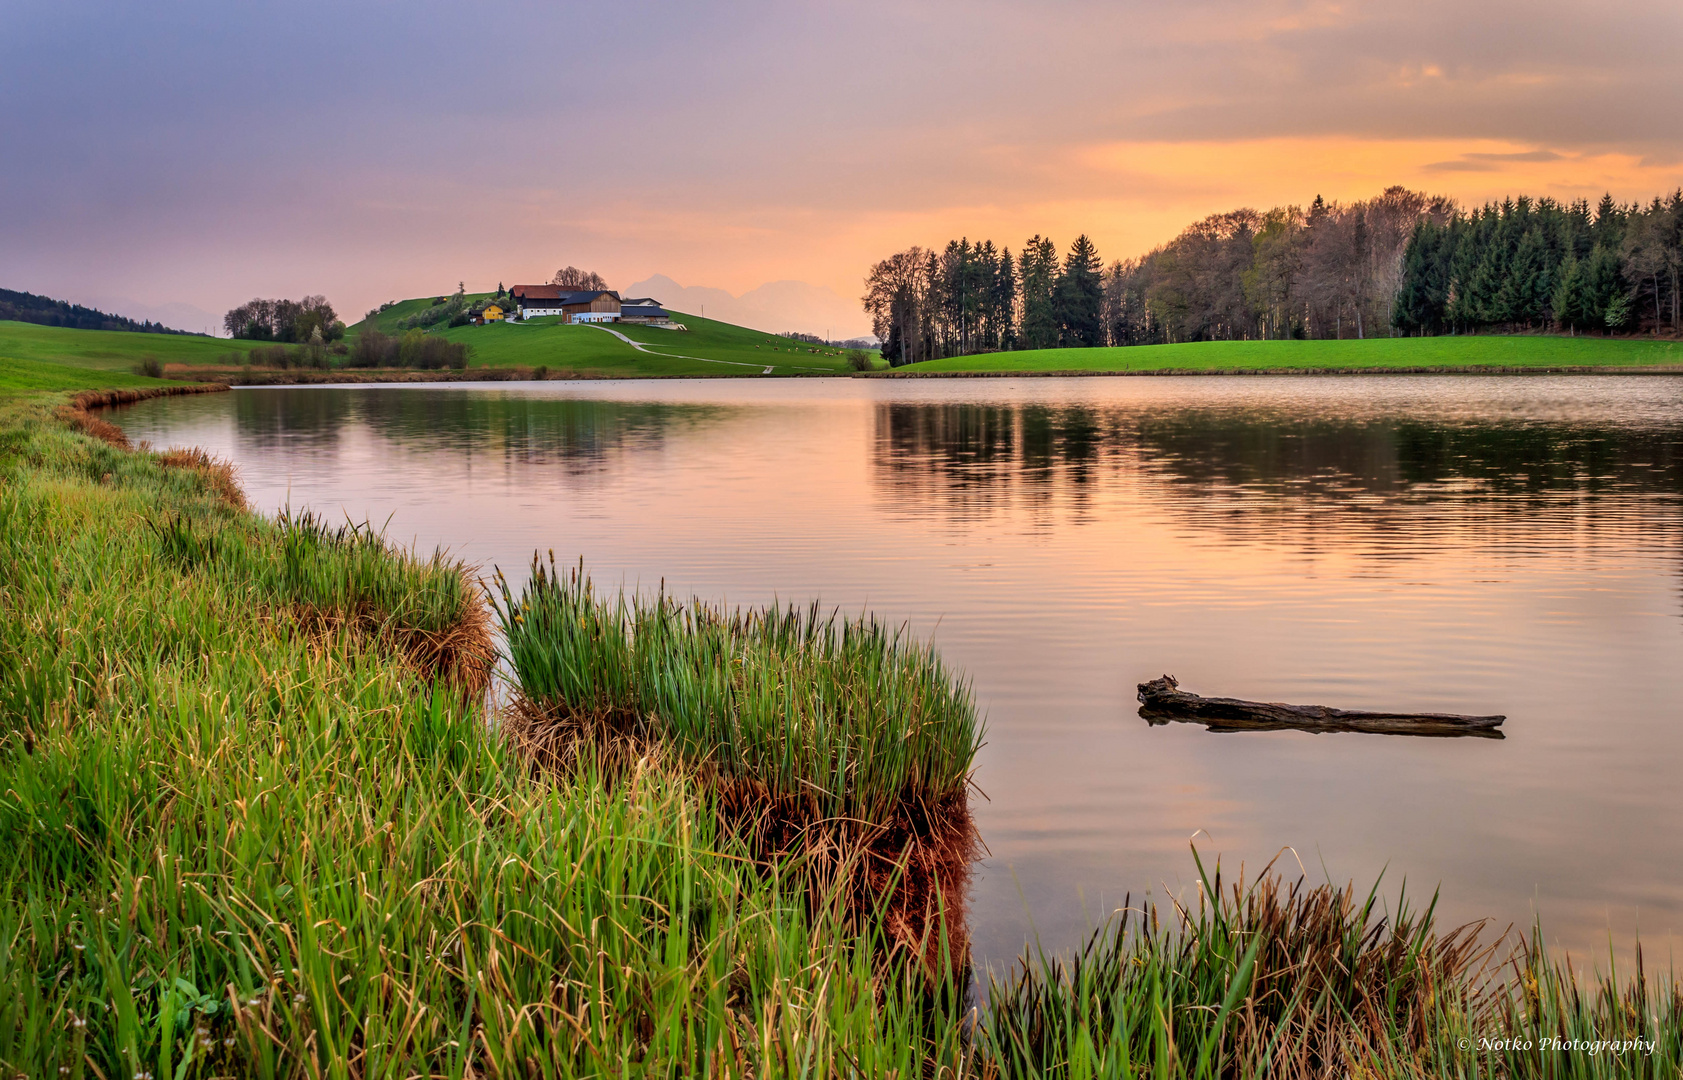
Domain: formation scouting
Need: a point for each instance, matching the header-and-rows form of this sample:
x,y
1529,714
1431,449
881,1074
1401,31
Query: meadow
x,y
106,350
262,820
545,348
1374,354
704,347
20,375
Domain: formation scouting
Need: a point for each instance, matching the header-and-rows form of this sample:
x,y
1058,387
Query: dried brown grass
x,y
217,475
1330,980
462,656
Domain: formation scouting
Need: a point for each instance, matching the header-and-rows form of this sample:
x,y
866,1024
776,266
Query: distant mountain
x,y
777,307
27,307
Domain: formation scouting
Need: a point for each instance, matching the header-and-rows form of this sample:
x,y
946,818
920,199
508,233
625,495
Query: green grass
x,y
723,348
246,836
1375,353
18,376
106,350
1274,980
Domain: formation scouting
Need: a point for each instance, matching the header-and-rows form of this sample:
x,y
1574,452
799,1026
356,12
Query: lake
x,y
1442,543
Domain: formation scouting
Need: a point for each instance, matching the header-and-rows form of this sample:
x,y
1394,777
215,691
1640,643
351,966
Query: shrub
x,y
274,356
419,350
373,349
149,367
859,360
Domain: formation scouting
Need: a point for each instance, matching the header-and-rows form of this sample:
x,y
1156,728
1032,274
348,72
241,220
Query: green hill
x,y
34,357
109,350
704,347
1376,353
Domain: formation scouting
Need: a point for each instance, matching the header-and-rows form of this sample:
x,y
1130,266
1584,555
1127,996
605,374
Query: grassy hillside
x,y
31,375
1377,353
108,350
705,347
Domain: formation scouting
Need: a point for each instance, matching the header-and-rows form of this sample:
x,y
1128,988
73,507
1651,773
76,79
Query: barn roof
x,y
559,294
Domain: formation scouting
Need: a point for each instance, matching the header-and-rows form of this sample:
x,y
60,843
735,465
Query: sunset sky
x,y
173,159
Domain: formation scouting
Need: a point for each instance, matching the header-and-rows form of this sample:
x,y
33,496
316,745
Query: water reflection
x,y
1457,545
1270,475
953,449
581,435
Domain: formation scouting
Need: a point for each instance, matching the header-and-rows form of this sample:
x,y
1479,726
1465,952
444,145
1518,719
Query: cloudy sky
x,y
180,157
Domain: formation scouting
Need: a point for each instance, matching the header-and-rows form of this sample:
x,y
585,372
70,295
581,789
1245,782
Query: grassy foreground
x,y
255,823
1487,350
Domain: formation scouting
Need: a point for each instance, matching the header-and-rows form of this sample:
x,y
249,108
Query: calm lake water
x,y
1458,544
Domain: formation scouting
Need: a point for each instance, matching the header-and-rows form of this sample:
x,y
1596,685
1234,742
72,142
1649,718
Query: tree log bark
x,y
1161,702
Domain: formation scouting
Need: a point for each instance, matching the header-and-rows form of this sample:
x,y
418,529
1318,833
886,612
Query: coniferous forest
x,y
1402,263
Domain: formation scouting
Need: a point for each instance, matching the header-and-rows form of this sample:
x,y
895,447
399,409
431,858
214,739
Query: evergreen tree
x,y
1005,299
1425,282
1567,301
1080,294
1037,270
1525,290
1608,231
1601,286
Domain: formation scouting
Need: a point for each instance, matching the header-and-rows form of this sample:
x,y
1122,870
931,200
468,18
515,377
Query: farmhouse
x,y
586,305
645,310
576,305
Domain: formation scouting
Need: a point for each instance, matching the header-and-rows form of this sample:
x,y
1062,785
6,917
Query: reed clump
x,y
1281,979
1270,979
843,739
217,475
345,578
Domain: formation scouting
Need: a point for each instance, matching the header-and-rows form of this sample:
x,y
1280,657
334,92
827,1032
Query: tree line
x,y
307,321
1548,265
1402,262
45,311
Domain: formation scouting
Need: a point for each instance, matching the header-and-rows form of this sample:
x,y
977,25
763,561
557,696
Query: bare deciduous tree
x,y
571,277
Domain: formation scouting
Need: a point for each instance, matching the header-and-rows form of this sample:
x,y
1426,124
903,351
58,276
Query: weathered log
x,y
1161,702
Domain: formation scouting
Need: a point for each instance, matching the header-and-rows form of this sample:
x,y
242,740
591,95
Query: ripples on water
x,y
1436,543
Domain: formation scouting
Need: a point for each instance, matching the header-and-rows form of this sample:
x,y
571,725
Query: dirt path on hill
x,y
640,347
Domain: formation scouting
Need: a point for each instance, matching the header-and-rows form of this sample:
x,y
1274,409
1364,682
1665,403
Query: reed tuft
x,y
838,718
844,740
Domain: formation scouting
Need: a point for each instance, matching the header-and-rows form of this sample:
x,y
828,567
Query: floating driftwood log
x,y
1161,701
